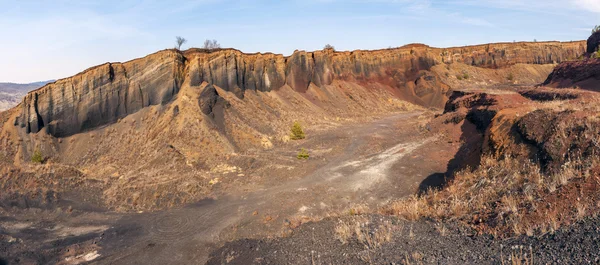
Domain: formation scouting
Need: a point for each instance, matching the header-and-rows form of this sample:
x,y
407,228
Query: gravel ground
x,y
422,242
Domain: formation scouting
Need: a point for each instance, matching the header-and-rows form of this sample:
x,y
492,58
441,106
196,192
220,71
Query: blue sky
x,y
54,39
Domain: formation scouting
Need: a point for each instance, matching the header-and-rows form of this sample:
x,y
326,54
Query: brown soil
x,y
178,158
351,168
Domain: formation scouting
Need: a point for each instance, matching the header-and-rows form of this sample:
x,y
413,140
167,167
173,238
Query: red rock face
x,y
576,74
579,74
103,94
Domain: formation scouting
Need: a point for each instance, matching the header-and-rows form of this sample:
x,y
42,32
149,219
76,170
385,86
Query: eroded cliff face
x,y
582,73
106,93
102,94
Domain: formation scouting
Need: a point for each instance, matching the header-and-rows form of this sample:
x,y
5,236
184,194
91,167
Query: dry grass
x,y
414,258
519,255
501,197
370,236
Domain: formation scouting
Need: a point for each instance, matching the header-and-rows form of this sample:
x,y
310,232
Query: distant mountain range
x,y
12,93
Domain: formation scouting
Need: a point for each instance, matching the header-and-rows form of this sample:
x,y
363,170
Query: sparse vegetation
x,y
297,132
463,76
179,41
303,154
37,157
510,77
509,195
517,256
211,45
329,47
505,196
369,236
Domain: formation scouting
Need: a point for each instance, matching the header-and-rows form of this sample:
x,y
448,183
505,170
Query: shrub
x,y
596,29
297,132
465,76
596,55
303,154
179,41
211,45
37,157
329,47
510,77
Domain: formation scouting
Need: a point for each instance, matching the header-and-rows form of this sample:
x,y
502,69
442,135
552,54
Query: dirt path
x,y
369,164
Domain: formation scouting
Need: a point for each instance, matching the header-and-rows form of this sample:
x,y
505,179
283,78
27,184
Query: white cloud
x,y
589,5
541,6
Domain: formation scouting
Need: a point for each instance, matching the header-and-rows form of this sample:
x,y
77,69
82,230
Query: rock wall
x,y
593,42
105,93
584,73
102,94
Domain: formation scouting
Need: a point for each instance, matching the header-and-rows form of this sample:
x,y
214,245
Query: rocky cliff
x,y
582,73
103,94
11,94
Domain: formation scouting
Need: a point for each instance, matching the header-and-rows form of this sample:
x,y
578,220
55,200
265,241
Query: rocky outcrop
x,y
593,42
583,73
504,54
103,94
11,94
580,74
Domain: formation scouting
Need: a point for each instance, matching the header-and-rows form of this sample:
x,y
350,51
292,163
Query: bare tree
x,y
211,45
329,47
179,41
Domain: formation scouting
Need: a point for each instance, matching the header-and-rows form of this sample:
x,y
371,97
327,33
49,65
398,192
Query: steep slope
x,y
105,93
165,125
11,93
582,73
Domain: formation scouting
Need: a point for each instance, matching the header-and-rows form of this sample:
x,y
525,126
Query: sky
x,y
53,39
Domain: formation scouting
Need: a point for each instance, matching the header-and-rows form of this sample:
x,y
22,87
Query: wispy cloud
x,y
536,6
589,5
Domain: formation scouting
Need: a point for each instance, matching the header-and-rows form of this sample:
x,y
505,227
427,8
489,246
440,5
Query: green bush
x,y
297,132
303,154
465,76
510,77
596,55
37,157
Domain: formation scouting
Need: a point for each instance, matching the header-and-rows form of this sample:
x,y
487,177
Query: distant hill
x,y
12,93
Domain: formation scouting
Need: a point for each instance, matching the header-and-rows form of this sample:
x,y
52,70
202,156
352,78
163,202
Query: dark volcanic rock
x,y
593,42
208,99
415,243
582,74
